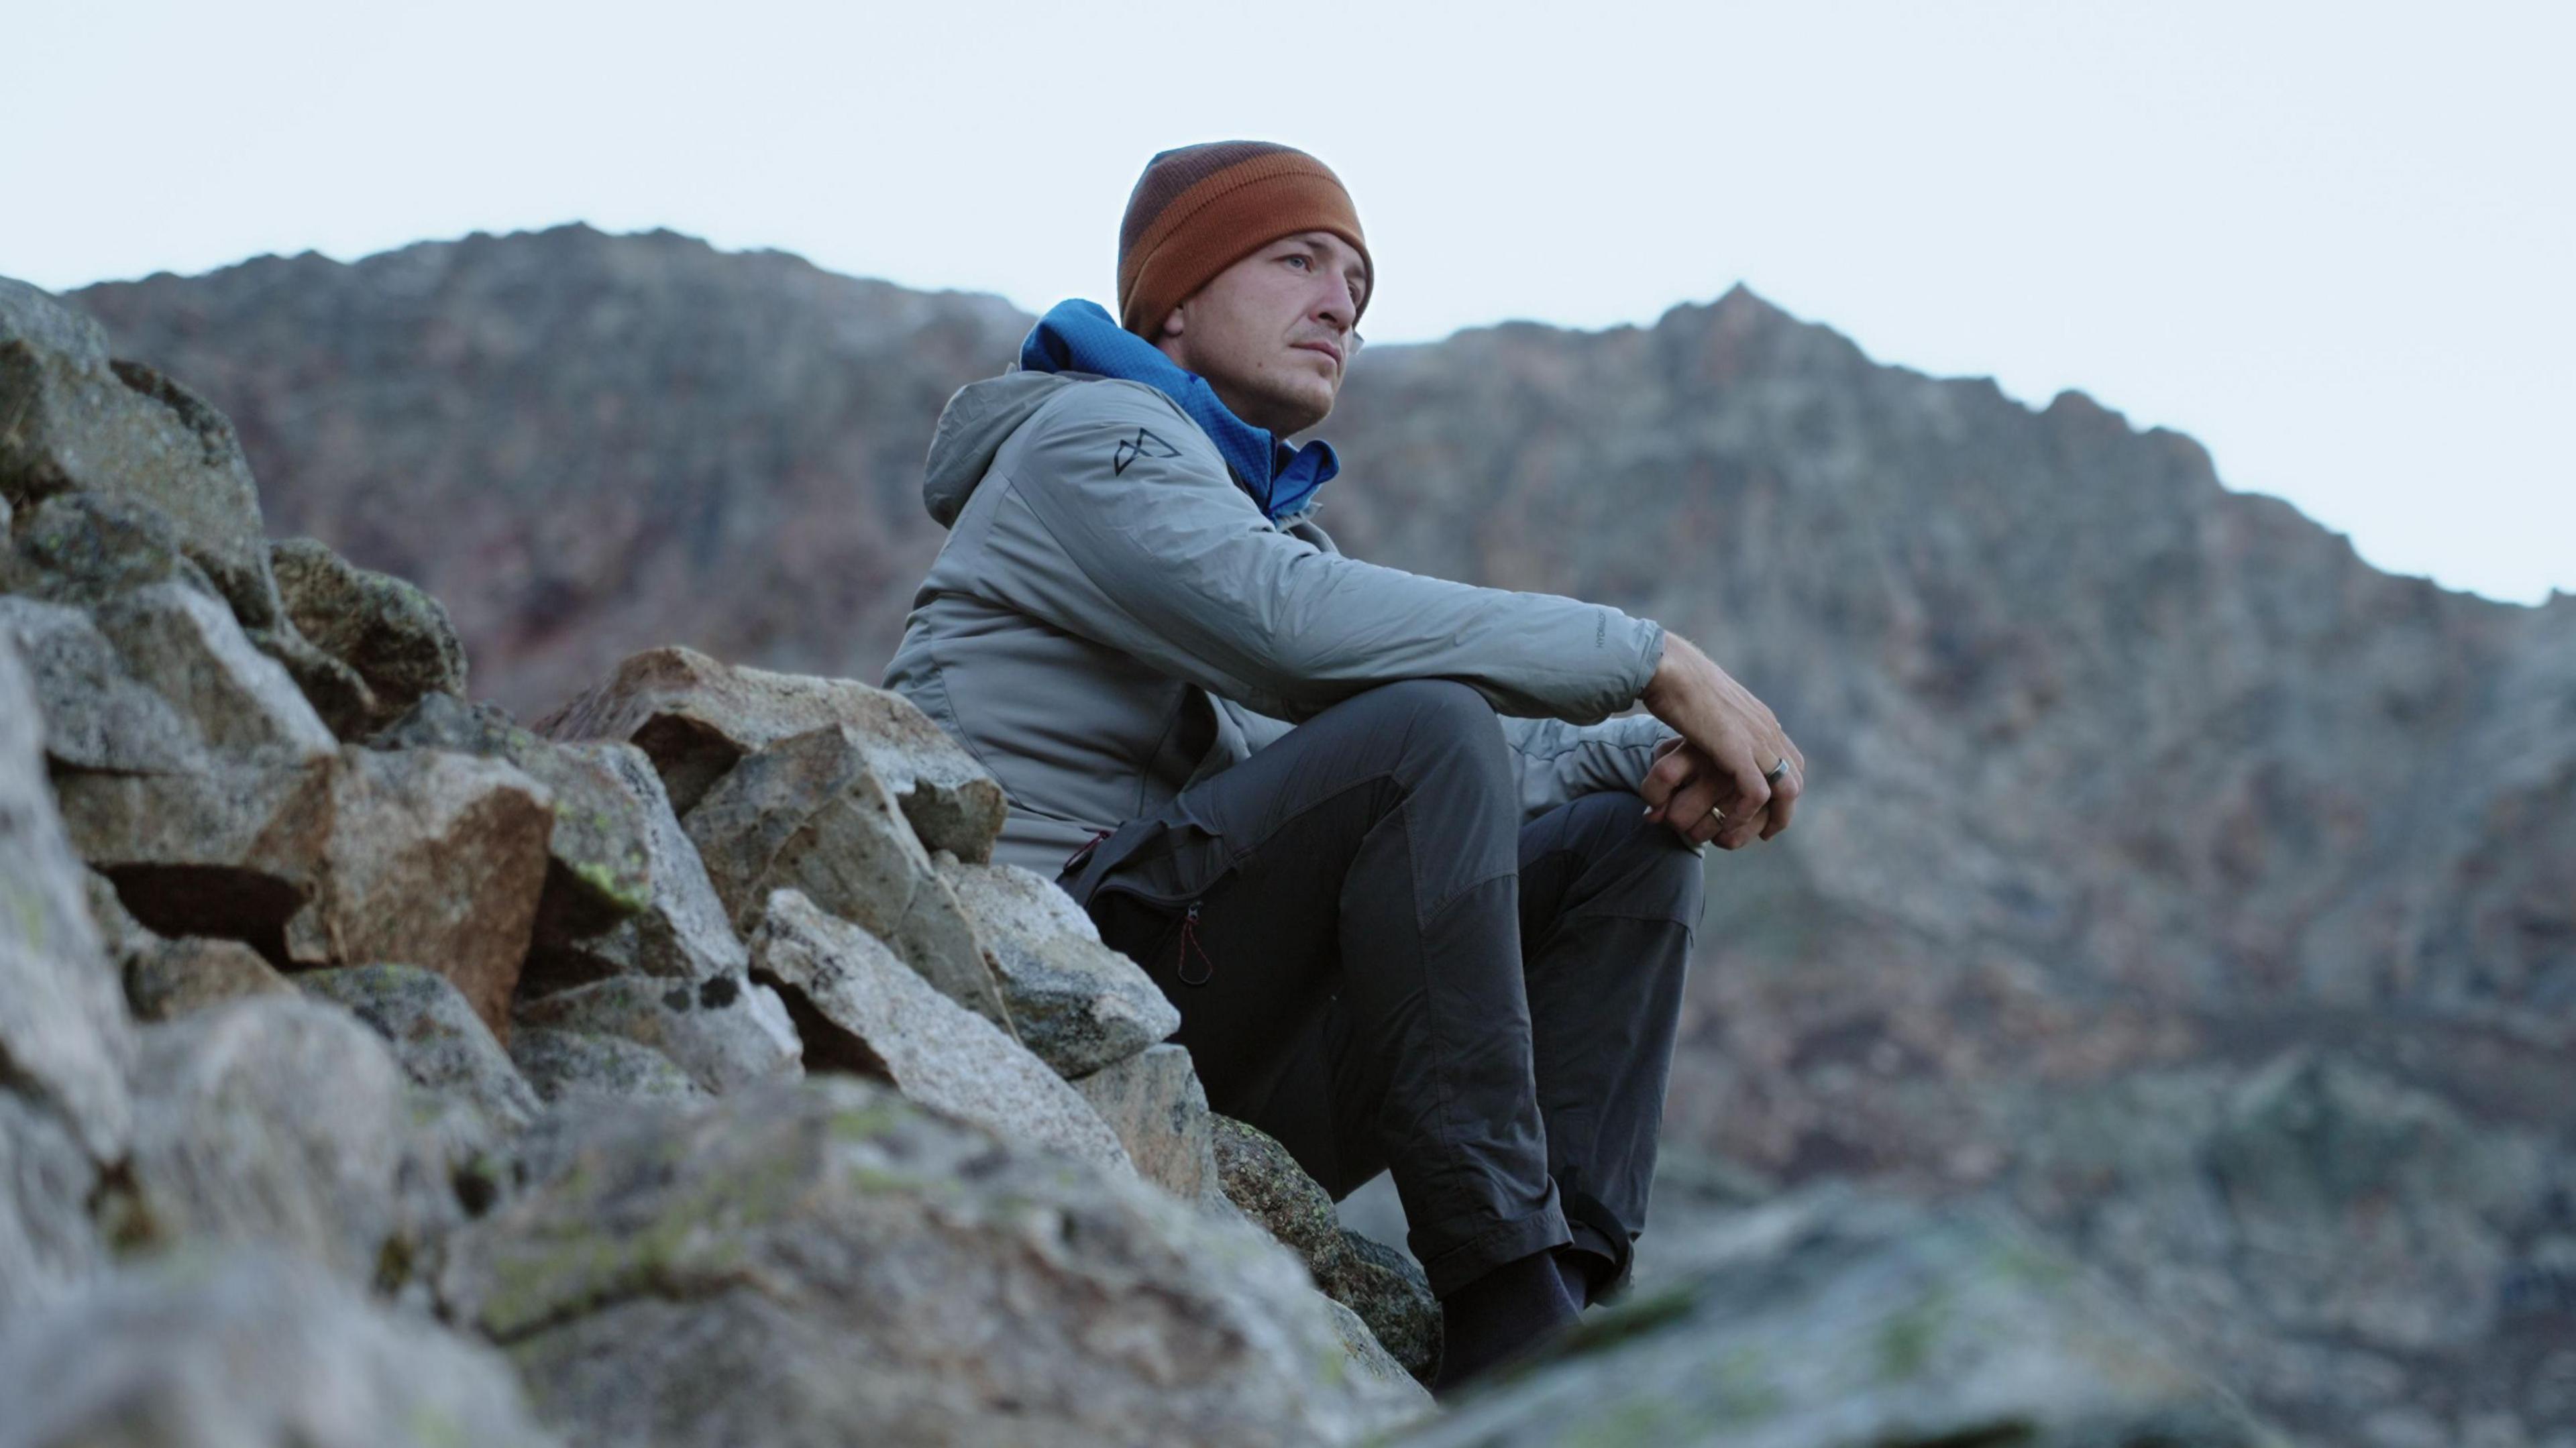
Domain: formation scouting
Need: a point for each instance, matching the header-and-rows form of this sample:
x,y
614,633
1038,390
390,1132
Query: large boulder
x,y
1842,1322
1077,1003
246,1350
807,813
280,1121
79,422
396,637
824,1262
861,1010
723,1032
599,864
697,717
1385,1289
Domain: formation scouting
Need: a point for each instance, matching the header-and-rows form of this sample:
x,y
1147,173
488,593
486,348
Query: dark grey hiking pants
x,y
1378,964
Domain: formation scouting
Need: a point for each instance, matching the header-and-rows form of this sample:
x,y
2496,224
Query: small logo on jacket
x,y
1143,444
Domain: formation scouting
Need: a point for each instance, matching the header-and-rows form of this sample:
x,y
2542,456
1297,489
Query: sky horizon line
x,y
2020,399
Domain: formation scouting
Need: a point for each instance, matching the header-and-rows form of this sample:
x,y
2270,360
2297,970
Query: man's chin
x,y
1294,414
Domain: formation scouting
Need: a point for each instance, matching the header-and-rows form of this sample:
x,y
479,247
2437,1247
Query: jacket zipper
x,y
1189,946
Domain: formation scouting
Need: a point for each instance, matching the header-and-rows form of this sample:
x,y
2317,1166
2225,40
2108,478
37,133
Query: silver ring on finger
x,y
1772,776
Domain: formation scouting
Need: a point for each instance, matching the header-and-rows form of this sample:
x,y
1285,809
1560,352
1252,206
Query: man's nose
x,y
1333,306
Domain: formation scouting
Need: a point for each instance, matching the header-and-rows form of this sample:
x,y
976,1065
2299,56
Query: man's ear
x,y
1171,324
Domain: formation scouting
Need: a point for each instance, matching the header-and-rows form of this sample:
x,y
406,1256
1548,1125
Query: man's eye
x,y
1298,257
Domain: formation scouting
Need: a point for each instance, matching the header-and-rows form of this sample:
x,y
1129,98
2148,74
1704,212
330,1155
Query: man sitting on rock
x,y
1438,925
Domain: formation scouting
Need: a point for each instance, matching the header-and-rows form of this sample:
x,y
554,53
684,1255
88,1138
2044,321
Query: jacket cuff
x,y
1650,655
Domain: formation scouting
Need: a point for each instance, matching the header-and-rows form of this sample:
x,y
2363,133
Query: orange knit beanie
x,y
1200,209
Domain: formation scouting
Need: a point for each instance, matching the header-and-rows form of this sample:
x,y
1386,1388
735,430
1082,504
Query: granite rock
x,y
824,1261
807,813
698,717
1077,1003
723,1032
66,1046
861,1010
1154,1101
599,864
80,422
682,932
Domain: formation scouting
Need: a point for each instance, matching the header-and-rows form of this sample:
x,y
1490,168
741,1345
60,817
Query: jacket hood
x,y
972,428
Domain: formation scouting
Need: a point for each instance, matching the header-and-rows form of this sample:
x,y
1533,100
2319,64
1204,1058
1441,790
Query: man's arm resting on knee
x,y
1152,550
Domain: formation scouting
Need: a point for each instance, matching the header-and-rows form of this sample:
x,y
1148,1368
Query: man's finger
x,y
1693,799
1784,802
1667,775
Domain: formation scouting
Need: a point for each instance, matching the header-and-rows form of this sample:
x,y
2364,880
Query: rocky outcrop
x,y
457,1017
885,1273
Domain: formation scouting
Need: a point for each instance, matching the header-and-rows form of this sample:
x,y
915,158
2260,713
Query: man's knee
x,y
1439,706
1441,719
1658,873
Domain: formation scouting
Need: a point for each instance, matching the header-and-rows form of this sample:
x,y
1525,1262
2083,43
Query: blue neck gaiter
x,y
1080,336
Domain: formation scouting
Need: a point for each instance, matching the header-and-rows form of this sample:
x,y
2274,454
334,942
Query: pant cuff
x,y
1464,1263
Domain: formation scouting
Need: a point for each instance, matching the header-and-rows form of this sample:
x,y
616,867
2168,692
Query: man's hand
x,y
1708,784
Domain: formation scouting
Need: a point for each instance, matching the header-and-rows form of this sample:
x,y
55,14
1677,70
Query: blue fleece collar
x,y
1080,336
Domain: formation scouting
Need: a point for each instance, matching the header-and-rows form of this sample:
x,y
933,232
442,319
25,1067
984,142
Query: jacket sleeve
x,y
1136,538
1561,762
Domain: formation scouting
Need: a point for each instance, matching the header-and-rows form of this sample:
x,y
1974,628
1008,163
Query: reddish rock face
x,y
435,860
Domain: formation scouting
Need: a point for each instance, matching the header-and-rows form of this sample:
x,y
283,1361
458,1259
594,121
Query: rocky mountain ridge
x,y
2171,875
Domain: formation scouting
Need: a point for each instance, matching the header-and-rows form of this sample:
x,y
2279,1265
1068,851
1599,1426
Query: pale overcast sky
x,y
2335,242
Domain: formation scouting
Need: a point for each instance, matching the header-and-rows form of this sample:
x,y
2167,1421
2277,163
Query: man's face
x,y
1272,333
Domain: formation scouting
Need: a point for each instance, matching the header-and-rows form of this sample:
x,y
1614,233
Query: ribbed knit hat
x,y
1200,209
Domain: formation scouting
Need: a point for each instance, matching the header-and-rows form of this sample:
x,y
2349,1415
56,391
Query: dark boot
x,y
1502,1317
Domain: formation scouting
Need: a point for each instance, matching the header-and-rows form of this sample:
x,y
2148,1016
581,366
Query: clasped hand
x,y
1708,784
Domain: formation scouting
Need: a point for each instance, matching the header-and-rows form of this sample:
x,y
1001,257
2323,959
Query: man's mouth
x,y
1327,348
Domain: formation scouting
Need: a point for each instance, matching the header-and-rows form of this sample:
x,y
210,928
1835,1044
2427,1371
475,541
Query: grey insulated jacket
x,y
1112,619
